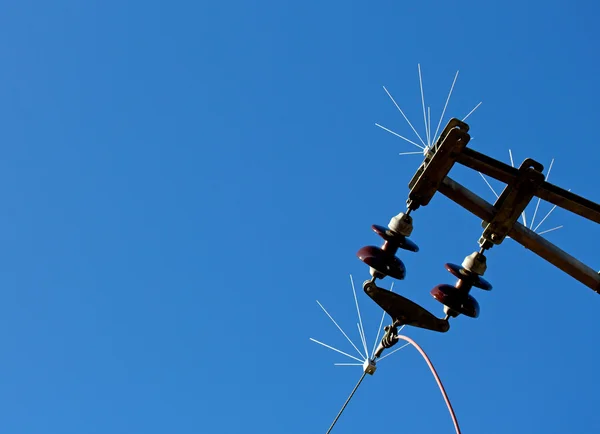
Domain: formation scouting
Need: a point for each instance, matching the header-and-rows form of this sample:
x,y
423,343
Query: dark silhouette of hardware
x,y
499,221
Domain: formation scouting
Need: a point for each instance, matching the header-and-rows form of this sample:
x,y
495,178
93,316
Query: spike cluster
x,y
364,358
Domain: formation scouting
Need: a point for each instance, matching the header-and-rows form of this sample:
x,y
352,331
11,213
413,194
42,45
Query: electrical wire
x,y
437,379
433,371
347,401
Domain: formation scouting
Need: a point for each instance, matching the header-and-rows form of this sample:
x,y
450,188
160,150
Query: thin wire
x,y
437,379
433,371
362,377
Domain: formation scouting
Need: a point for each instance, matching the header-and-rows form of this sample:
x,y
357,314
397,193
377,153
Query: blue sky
x,y
182,180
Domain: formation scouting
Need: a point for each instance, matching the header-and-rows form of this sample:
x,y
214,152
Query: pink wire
x,y
437,379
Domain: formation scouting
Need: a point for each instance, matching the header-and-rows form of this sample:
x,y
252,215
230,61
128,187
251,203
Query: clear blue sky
x,y
182,180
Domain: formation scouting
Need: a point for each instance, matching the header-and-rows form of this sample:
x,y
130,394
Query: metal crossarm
x,y
500,219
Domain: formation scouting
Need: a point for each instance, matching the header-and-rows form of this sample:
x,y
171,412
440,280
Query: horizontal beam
x,y
487,165
524,236
548,192
569,201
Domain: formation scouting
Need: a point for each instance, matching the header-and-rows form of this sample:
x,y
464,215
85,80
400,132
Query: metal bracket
x,y
403,311
512,202
437,164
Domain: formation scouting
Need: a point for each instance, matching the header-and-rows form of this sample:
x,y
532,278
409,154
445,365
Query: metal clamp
x,y
512,202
